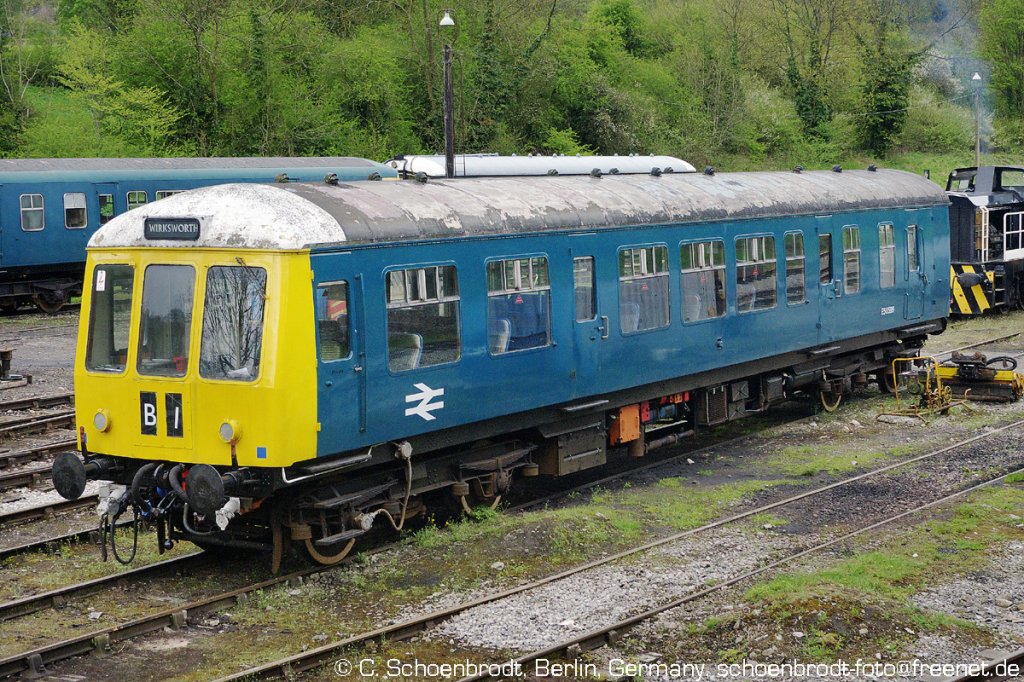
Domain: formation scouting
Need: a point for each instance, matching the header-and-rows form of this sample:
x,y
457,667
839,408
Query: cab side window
x,y
75,216
332,320
423,317
32,219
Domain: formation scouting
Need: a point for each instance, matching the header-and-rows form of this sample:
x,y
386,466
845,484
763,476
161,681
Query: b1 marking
x,y
174,418
147,406
888,310
425,398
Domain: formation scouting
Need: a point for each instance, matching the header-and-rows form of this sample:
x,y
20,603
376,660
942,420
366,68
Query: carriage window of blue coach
x,y
32,212
166,324
795,258
703,280
643,288
332,320
886,256
106,208
110,314
74,210
851,259
233,323
755,273
912,263
423,317
583,285
518,304
136,199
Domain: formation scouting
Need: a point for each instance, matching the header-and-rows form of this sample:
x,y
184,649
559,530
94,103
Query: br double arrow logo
x,y
426,404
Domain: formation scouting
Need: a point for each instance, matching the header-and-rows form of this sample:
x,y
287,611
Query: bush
x,y
935,126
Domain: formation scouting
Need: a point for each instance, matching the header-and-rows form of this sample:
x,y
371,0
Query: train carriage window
x,y
332,320
1013,233
824,258
32,219
165,329
74,210
851,259
886,256
643,288
518,304
164,193
912,263
136,199
795,259
586,292
703,280
755,273
423,317
110,314
233,323
106,208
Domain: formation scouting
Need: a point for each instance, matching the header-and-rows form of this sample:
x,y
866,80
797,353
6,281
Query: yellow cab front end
x,y
197,356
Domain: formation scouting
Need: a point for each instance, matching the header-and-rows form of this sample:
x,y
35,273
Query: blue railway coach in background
x,y
49,208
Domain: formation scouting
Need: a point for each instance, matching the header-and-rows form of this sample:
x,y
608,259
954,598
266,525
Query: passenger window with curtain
x,y
75,216
332,320
518,304
110,313
824,259
795,259
755,274
106,208
703,280
912,264
586,292
851,259
643,288
423,317
136,199
32,215
165,328
886,256
232,343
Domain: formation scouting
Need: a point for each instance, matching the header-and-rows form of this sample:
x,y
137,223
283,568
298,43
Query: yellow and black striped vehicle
x,y
986,239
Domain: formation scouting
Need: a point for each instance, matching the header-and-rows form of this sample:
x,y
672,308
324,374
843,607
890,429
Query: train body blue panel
x,y
594,357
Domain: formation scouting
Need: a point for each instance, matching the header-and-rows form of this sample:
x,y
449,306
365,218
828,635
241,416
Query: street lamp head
x,y
976,78
447,20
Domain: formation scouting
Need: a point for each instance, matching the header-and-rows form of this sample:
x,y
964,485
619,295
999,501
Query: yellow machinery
x,y
977,377
922,378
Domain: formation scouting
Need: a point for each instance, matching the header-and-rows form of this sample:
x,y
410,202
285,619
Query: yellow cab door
x,y
165,359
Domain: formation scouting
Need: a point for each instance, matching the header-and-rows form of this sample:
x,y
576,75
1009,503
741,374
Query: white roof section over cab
x,y
236,215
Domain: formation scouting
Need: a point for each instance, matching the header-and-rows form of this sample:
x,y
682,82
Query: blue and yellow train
x,y
49,208
264,364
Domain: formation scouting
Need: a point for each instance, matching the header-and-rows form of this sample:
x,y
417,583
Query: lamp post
x,y
449,123
976,82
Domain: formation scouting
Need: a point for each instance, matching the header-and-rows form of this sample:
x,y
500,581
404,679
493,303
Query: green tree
x,y
1002,44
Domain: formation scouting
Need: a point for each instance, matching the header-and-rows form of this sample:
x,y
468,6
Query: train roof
x,y
114,170
298,216
492,165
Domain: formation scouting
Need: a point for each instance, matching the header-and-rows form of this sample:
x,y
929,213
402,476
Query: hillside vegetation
x,y
738,84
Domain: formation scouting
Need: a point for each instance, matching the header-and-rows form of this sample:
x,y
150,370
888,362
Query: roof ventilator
x,y
837,168
282,177
331,179
709,170
421,177
873,168
596,173
798,169
656,172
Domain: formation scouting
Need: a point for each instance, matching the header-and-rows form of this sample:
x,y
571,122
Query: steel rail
x,y
38,402
288,667
85,535
45,510
995,671
24,606
26,425
36,453
598,638
26,478
979,343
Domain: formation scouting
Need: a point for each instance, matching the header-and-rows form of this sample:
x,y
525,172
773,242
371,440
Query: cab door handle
x,y
604,327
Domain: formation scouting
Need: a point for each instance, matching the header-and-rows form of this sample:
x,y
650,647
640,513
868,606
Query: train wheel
x,y
886,382
50,302
329,559
830,399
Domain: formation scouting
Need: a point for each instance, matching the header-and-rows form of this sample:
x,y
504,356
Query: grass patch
x,y
767,519
810,460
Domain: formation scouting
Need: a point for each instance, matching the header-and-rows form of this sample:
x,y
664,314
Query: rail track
x,y
23,426
996,671
46,510
51,543
38,402
36,659
35,453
